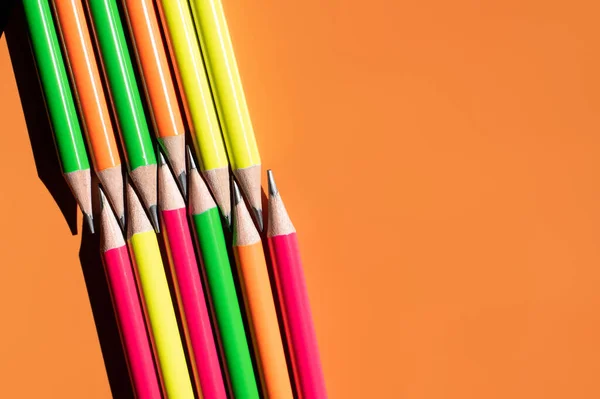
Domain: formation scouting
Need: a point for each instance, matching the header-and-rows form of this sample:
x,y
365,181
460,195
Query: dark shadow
x,y
38,124
5,11
102,310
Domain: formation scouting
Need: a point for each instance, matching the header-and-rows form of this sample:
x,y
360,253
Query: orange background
x,y
441,162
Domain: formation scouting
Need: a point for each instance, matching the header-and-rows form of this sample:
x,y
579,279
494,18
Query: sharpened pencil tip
x,y
89,220
228,220
272,186
259,219
161,158
122,222
237,196
182,179
102,198
154,217
190,157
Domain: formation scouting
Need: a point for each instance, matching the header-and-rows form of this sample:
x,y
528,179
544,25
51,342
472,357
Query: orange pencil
x,y
158,83
260,305
91,98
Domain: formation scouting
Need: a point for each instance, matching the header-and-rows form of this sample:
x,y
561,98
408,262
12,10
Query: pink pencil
x,y
128,309
293,299
188,286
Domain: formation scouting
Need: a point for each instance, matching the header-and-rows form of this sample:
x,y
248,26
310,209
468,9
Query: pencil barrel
x,y
161,315
226,84
263,316
57,92
153,64
88,86
197,94
215,260
193,305
125,95
295,306
131,323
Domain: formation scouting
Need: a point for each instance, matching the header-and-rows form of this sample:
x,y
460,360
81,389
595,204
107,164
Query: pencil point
x,y
228,220
161,158
89,220
237,196
122,222
258,216
102,197
190,158
154,218
272,186
182,179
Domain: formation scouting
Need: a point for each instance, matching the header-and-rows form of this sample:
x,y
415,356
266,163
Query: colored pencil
x,y
260,306
158,83
230,100
59,102
125,96
215,260
293,298
207,137
154,288
186,276
88,90
128,309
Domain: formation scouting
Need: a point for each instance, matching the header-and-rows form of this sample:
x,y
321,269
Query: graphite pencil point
x,y
122,222
190,157
89,220
182,180
237,196
272,186
258,217
154,218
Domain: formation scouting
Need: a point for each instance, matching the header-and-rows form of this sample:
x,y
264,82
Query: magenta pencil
x,y
293,299
186,275
128,308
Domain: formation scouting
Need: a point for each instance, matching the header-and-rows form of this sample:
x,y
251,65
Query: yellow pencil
x,y
208,141
154,288
229,98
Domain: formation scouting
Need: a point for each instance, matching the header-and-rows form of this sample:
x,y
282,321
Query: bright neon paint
x,y
293,297
129,313
191,297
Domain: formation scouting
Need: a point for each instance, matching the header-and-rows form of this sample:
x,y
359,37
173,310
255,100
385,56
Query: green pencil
x,y
211,243
59,102
135,135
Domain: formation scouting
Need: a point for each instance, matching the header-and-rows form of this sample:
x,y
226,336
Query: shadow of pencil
x,y
102,310
36,117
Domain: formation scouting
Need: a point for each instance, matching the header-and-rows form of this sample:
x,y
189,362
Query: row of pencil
x,y
190,83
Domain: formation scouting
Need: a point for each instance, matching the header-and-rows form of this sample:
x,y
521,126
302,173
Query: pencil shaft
x,y
295,306
265,327
226,83
131,323
161,314
211,242
125,95
53,77
88,86
191,297
197,94
153,63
